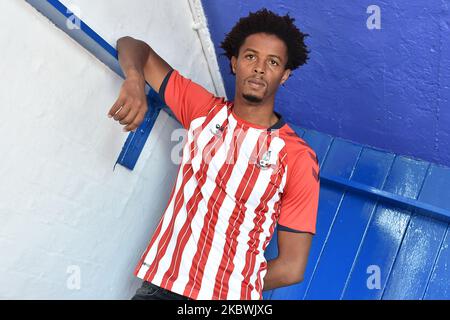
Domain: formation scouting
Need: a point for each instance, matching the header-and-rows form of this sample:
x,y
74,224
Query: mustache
x,y
257,79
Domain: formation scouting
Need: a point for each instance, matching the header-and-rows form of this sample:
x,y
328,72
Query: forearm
x,y
278,275
133,55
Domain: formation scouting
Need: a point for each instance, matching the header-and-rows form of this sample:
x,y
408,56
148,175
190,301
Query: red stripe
x,y
191,207
260,217
263,265
237,216
187,174
157,231
210,220
244,190
164,241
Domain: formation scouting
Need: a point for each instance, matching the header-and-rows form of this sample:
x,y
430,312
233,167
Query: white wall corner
x,y
200,25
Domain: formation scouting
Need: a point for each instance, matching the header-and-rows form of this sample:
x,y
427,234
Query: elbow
x,y
121,39
124,38
130,41
294,278
297,280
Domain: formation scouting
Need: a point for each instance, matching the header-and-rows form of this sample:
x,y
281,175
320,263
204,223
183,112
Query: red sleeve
x,y
187,99
300,198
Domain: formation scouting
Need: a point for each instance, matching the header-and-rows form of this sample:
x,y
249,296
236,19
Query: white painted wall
x,y
167,25
61,204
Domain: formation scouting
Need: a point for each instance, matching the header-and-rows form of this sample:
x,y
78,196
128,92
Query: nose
x,y
259,68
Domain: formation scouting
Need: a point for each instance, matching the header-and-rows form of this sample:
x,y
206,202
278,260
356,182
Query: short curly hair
x,y
268,22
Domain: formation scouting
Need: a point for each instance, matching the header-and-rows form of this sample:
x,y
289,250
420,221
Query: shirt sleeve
x,y
187,99
300,199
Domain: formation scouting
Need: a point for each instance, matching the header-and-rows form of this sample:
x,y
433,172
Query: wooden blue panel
x,y
439,285
438,192
422,243
341,160
380,245
415,259
348,228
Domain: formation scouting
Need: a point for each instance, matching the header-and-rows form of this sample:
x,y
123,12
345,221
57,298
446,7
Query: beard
x,y
252,98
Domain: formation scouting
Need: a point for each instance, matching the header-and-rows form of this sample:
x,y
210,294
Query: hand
x,y
131,105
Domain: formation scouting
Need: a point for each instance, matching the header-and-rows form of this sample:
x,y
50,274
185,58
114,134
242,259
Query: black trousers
x,y
149,291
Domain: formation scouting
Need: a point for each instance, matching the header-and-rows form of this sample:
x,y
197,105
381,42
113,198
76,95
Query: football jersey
x,y
236,182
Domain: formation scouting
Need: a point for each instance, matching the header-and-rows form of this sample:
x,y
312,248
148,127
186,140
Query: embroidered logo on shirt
x,y
217,131
264,162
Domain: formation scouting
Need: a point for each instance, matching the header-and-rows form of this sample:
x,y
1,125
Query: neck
x,y
258,113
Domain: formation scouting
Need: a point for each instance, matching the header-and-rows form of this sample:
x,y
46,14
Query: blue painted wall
x,y
388,88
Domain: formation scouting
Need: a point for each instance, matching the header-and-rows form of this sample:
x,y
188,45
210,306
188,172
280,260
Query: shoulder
x,y
296,147
301,157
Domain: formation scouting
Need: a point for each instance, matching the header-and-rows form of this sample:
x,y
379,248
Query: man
x,y
244,170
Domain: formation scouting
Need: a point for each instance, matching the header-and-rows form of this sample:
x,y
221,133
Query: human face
x,y
260,67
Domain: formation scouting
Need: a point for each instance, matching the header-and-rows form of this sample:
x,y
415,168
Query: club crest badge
x,y
217,130
264,162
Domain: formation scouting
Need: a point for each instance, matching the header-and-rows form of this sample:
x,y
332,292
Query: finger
x,y
122,113
137,121
116,106
133,125
130,116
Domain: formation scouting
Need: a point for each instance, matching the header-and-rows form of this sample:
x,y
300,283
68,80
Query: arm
x,y
288,268
298,213
139,63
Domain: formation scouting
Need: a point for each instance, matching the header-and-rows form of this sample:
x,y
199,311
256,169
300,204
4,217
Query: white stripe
x,y
167,216
267,239
215,164
235,283
226,208
197,222
260,258
188,192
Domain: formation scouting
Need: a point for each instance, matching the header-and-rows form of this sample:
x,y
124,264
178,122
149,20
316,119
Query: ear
x,y
285,76
233,64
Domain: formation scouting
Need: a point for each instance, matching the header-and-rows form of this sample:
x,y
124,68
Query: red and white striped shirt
x,y
236,181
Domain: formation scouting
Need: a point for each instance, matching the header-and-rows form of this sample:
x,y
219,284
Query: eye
x,y
273,62
250,56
